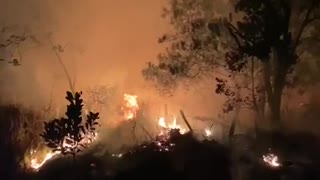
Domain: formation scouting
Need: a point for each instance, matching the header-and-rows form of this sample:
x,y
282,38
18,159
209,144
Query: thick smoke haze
x,y
105,43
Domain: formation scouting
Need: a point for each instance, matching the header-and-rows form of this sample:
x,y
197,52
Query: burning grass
x,y
38,157
173,153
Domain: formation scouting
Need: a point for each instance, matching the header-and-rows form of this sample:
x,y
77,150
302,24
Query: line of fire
x,y
169,133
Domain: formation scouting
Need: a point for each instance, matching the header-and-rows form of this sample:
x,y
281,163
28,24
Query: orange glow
x,y
271,160
172,125
208,132
130,107
36,163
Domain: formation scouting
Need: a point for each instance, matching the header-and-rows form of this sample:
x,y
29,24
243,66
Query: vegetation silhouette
x,y
272,32
70,135
258,52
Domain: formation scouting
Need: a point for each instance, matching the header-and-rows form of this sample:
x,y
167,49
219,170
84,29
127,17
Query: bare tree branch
x,y
304,24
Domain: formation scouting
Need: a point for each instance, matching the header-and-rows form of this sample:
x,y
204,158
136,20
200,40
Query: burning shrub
x,y
69,135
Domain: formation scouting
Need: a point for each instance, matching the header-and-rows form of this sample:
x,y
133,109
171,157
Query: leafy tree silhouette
x,y
271,33
258,52
70,135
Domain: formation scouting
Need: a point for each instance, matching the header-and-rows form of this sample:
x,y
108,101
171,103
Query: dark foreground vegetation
x,y
183,157
170,155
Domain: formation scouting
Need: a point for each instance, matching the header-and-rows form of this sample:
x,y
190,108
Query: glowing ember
x,y
169,126
117,155
162,146
271,159
131,106
207,132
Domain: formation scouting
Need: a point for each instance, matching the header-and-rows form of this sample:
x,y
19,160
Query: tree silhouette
x,y
266,43
14,40
70,135
269,32
200,48
194,51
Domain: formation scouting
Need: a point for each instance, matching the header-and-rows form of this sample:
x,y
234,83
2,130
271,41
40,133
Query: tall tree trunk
x,y
234,123
267,82
274,79
235,118
279,82
254,98
275,108
237,107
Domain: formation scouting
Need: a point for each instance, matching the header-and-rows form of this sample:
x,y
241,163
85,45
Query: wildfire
x,y
271,160
131,106
208,132
36,163
169,126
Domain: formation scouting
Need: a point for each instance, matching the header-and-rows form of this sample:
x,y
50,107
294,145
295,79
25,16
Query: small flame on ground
x,y
271,160
117,155
131,106
208,132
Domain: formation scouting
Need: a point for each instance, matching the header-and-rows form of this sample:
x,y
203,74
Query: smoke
x,y
102,42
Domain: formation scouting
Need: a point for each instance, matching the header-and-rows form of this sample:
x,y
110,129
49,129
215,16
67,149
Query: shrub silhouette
x,y
70,135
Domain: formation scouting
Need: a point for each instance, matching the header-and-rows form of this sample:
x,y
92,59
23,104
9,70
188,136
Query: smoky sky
x,y
105,42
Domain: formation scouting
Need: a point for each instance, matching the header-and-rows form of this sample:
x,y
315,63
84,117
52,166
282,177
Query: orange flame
x,y
168,126
36,164
131,106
